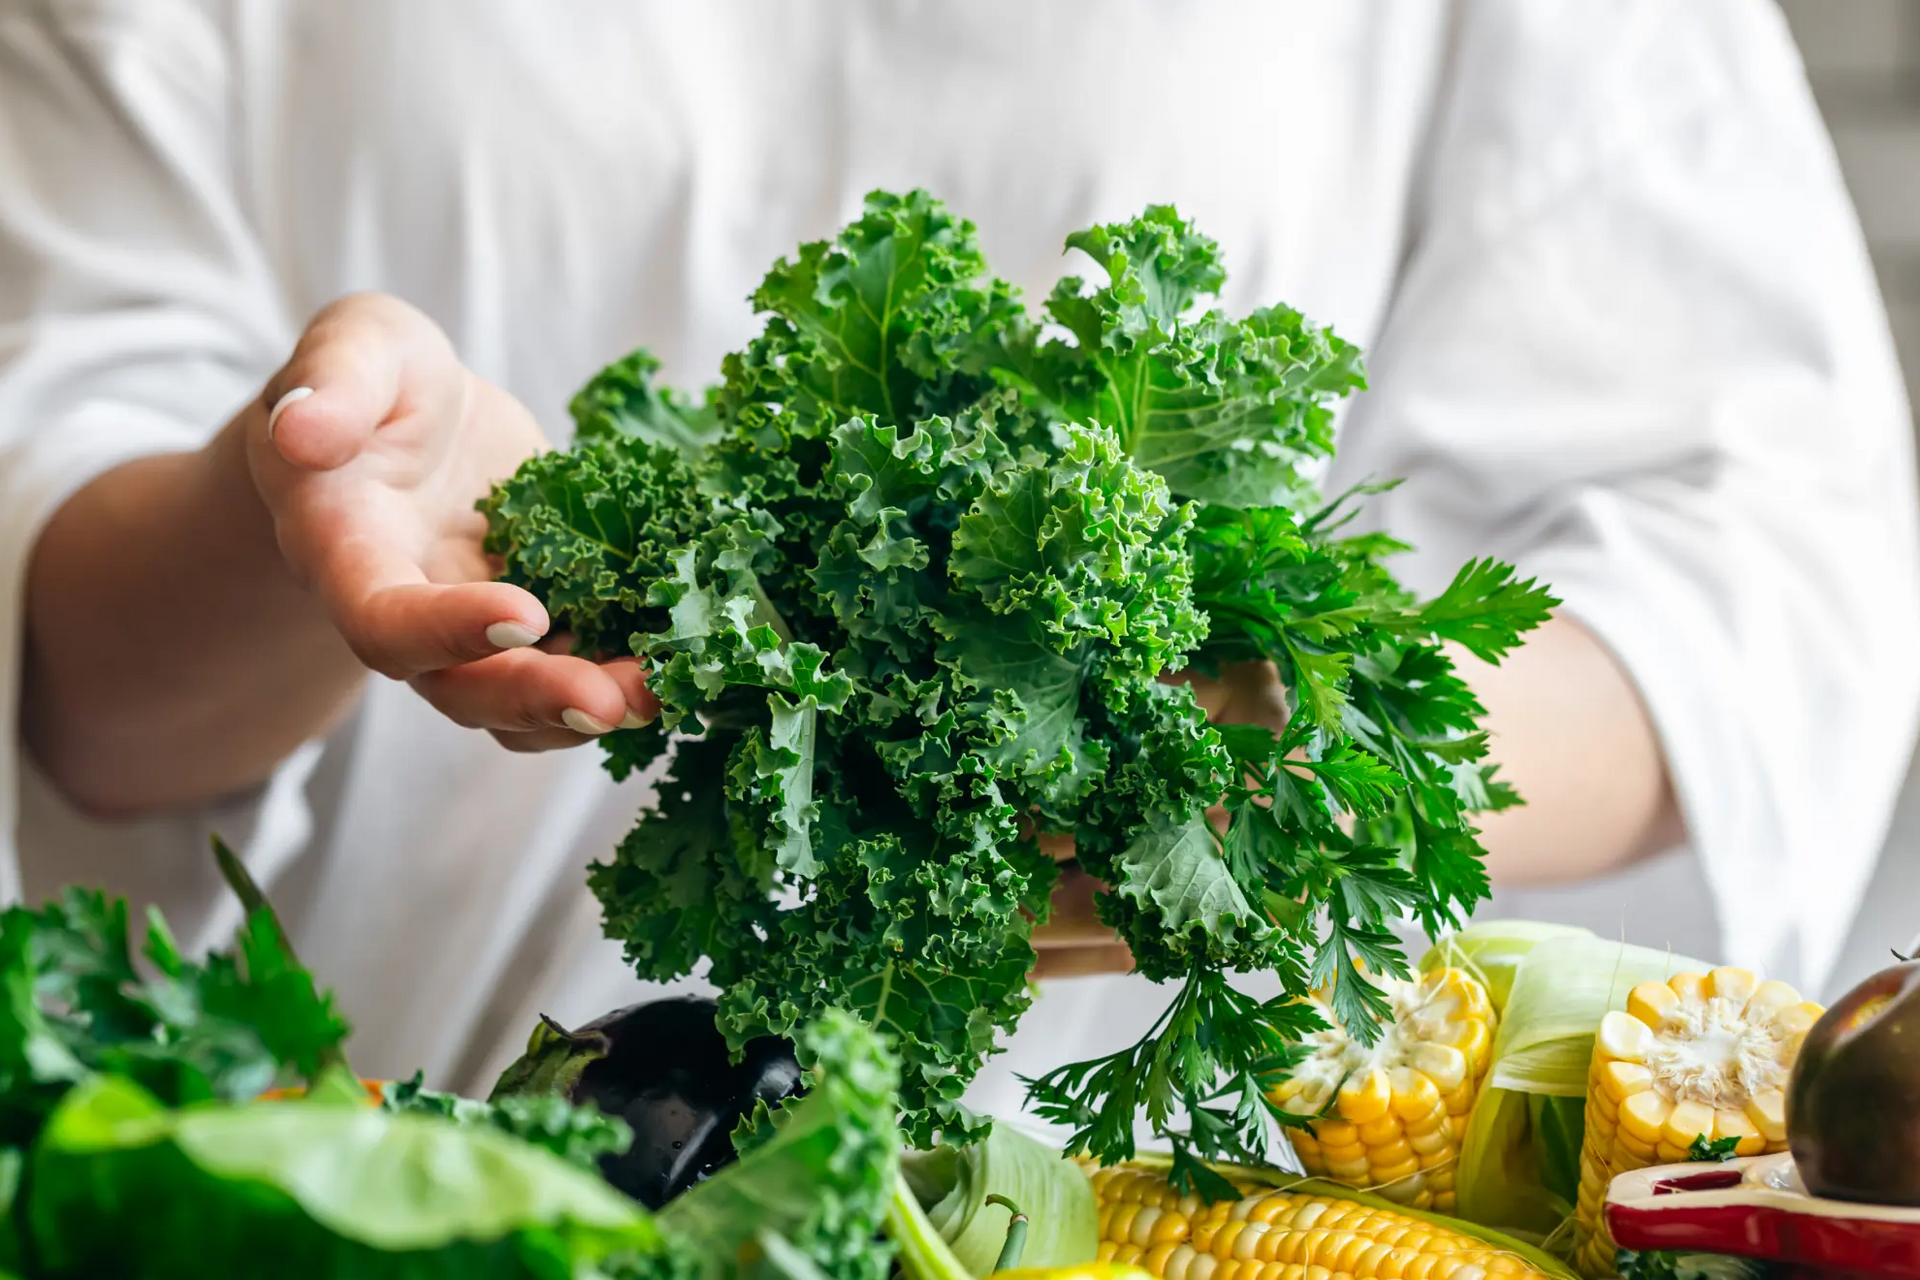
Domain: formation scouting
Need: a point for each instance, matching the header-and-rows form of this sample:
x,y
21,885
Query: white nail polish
x,y
632,721
511,635
294,396
580,722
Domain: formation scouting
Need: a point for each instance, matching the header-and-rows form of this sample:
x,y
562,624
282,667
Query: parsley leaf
x,y
1713,1150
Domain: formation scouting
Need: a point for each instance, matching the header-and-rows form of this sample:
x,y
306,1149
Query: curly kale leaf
x,y
819,1185
917,593
578,1135
1226,410
622,400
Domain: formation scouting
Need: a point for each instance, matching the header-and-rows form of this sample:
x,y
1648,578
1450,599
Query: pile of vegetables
x,y
909,578
172,1118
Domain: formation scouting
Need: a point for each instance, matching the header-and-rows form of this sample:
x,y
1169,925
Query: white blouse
x,y
1622,330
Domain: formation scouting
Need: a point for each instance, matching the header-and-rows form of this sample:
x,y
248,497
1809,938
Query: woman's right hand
x,y
370,448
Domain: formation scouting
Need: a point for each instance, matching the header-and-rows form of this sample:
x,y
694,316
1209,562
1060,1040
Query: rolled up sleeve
x,y
1638,349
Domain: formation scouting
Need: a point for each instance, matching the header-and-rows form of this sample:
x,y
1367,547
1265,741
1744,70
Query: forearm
x,y
1569,732
171,657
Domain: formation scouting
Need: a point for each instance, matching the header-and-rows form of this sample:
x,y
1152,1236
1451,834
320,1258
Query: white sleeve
x,y
136,313
1637,347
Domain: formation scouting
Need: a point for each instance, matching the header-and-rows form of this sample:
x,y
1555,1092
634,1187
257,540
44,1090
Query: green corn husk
x,y
954,1187
1551,985
1492,951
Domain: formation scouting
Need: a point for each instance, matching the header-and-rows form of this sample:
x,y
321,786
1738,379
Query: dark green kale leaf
x,y
918,592
578,1135
821,1184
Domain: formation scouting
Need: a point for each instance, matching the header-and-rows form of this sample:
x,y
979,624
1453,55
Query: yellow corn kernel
x,y
1622,1037
1414,1093
1769,998
1621,1080
1690,987
1651,1002
1729,983
1768,1111
1688,1120
1364,1097
1382,1131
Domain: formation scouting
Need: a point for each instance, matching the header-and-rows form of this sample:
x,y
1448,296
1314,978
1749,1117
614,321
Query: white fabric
x,y
1621,324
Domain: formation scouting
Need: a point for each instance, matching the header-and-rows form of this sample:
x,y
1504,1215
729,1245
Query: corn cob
x,y
1699,1056
1398,1107
1282,1235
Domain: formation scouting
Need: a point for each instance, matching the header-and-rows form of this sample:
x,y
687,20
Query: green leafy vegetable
x,y
74,1003
822,1182
1655,1265
909,578
578,1135
1712,1150
123,1186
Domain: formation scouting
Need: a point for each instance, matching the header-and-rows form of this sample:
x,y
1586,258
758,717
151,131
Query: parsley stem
x,y
255,903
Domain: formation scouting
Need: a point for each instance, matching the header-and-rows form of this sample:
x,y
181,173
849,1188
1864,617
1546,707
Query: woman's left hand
x,y
1073,942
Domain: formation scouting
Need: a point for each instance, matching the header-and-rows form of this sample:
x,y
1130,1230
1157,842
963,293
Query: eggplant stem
x,y
1016,1245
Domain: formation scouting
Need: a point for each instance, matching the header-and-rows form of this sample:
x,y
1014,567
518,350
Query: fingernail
x,y
633,721
294,396
511,635
580,722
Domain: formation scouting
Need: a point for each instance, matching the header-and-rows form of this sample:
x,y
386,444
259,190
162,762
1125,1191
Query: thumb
x,y
344,379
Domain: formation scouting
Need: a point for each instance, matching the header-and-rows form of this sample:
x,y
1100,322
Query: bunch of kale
x,y
911,575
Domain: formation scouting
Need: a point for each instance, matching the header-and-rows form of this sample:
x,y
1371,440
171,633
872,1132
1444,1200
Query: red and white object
x,y
1757,1208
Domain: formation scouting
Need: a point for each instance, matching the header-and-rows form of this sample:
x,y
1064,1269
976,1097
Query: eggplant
x,y
665,1069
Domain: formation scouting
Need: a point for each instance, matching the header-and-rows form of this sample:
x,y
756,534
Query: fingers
x,y
348,375
631,675
545,699
1082,962
1073,942
401,625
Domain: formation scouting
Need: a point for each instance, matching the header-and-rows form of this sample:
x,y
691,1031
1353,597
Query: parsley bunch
x,y
909,577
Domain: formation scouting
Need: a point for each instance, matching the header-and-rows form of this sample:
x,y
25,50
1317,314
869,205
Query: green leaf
x,y
1181,871
621,400
1485,609
121,1186
1713,1150
822,1182
1224,410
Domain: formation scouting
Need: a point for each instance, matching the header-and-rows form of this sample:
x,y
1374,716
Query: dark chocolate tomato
x,y
1853,1101
666,1070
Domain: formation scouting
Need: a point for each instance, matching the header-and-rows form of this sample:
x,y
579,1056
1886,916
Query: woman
x,y
1622,331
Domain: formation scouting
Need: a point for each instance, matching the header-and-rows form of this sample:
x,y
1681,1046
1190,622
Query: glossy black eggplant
x,y
664,1069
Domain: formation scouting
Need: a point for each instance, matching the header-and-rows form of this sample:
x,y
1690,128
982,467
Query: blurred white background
x,y
1863,59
